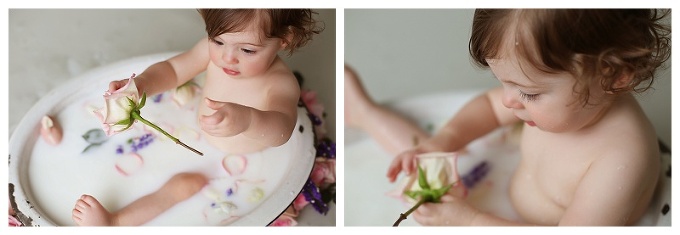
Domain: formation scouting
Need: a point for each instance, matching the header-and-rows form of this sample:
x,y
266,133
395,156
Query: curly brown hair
x,y
275,23
603,44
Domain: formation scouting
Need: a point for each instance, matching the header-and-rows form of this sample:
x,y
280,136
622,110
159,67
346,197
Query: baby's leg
x,y
392,131
89,212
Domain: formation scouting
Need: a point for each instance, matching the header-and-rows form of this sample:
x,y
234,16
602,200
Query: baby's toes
x,y
90,201
77,216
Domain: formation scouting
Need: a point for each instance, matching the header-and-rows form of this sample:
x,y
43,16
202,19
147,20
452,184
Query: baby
x,y
250,96
589,155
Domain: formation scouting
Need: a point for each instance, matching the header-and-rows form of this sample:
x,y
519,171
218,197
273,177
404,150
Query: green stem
x,y
136,116
403,216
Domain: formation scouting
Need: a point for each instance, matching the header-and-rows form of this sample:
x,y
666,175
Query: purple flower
x,y
325,148
476,174
315,120
157,98
313,196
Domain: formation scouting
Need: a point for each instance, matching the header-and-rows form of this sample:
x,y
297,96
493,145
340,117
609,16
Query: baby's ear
x,y
624,81
287,38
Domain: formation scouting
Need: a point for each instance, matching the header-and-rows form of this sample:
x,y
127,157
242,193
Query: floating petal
x,y
50,130
129,164
234,164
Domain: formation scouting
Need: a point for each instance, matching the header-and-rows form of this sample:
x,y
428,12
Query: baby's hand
x,y
405,161
452,211
228,120
115,85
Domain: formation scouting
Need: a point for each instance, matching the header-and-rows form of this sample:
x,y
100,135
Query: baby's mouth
x,y
230,72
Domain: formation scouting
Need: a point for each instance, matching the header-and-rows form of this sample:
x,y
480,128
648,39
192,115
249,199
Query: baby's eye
x,y
528,97
216,42
247,51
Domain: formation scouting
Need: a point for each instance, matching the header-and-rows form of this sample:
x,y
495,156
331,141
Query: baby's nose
x,y
510,101
229,58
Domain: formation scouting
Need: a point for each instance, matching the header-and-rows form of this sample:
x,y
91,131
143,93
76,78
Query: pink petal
x,y
234,164
129,164
50,130
284,220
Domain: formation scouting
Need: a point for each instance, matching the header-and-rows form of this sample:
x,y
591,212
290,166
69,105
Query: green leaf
x,y
427,195
95,135
438,193
422,180
412,194
141,103
127,127
123,122
90,146
132,103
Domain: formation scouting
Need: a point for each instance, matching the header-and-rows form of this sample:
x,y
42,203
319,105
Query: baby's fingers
x,y
211,120
215,105
393,170
408,164
115,85
425,214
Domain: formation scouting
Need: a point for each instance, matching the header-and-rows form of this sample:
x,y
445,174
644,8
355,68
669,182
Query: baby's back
x,y
603,174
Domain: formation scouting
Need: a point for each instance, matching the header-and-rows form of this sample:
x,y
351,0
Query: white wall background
x,y
401,53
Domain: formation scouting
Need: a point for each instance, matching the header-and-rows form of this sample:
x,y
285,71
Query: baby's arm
x,y
271,126
274,125
478,117
611,189
171,73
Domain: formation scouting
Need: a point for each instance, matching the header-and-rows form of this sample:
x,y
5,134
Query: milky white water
x,y
49,179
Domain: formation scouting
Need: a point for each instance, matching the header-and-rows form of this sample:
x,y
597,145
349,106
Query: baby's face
x,y
545,100
244,54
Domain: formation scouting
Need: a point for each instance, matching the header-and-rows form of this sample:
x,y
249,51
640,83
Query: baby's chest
x,y
556,165
240,92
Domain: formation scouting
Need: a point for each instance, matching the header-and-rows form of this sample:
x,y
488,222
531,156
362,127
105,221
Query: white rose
x,y
440,171
116,115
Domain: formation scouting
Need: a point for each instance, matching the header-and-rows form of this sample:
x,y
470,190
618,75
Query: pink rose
x,y
284,220
311,101
116,115
300,202
323,172
13,222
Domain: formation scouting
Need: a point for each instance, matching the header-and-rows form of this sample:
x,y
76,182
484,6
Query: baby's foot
x,y
356,100
89,212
